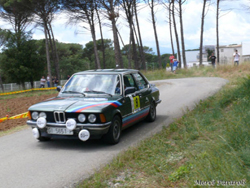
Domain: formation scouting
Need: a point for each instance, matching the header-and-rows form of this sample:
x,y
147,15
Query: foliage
x,y
89,47
4,35
71,59
20,60
17,13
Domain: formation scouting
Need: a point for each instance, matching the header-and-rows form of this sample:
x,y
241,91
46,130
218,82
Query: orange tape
x,y
23,115
3,119
22,91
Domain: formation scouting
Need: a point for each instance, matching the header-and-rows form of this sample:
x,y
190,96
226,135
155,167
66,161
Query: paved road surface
x,y
27,163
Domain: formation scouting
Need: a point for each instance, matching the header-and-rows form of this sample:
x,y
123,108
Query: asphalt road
x,y
27,163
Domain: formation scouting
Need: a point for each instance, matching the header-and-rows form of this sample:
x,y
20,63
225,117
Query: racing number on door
x,y
136,102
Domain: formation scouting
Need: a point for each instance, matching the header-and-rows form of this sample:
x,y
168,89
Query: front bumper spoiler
x,y
91,127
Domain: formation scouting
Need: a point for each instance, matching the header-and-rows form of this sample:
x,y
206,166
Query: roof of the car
x,y
112,71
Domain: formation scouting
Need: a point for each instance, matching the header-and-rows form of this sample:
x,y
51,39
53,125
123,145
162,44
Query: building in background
x,y
227,51
193,56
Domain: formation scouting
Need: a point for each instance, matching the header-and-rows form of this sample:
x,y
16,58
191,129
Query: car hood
x,y
76,105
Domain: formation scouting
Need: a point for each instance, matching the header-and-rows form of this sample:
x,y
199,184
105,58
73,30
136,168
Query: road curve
x,y
27,163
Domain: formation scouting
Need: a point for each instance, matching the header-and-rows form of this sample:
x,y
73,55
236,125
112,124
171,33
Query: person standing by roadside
x,y
42,82
175,64
53,81
213,59
236,56
56,82
48,81
171,58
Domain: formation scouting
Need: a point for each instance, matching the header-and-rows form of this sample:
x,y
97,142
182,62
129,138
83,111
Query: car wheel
x,y
114,133
152,113
44,139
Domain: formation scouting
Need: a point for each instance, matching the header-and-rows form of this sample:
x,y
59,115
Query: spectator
x,y
68,77
48,81
213,59
236,57
53,81
56,82
171,58
42,82
175,64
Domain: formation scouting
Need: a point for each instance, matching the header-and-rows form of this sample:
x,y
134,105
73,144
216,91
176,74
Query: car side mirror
x,y
129,90
151,85
58,88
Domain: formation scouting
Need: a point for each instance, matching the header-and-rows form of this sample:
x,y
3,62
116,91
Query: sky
x,y
234,26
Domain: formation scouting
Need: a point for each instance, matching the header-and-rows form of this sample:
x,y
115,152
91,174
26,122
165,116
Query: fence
x,y
15,87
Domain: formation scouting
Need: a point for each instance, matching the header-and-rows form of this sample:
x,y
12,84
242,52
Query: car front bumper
x,y
95,130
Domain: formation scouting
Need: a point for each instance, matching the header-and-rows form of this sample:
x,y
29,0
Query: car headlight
x,y
34,115
81,118
92,118
41,122
43,114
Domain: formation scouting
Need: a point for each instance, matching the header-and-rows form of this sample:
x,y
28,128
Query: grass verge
x,y
223,71
209,146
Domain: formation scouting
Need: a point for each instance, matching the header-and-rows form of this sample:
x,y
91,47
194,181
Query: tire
x,y
114,133
152,113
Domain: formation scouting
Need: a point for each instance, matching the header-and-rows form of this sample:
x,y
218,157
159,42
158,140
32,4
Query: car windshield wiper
x,y
74,92
100,92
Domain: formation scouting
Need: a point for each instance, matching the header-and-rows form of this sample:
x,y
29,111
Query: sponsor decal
x,y
95,99
134,117
135,103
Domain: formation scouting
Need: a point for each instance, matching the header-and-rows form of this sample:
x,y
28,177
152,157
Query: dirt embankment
x,y
17,106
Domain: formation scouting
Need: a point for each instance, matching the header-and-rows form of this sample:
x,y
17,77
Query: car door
x,y
132,101
144,91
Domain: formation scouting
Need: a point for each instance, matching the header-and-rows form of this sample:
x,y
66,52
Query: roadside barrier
x,y
27,90
23,115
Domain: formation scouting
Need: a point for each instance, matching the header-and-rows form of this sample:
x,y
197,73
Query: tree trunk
x,y
217,32
202,26
52,50
103,47
23,85
176,34
170,29
92,29
1,83
129,51
57,66
118,56
136,64
129,14
47,51
182,37
155,33
140,63
140,45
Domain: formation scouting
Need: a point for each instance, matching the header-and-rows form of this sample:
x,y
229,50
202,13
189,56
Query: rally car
x,y
95,104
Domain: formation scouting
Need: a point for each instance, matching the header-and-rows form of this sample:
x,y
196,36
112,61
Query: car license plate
x,y
56,130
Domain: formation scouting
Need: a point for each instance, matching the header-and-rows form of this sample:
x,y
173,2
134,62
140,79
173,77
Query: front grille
x,y
59,117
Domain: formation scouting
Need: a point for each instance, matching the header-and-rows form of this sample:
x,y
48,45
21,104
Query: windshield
x,y
93,83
